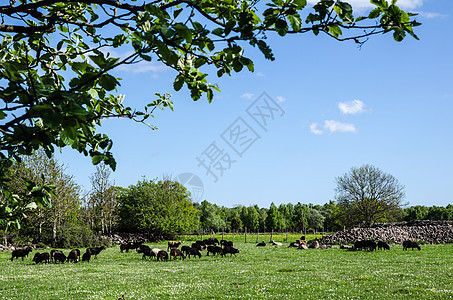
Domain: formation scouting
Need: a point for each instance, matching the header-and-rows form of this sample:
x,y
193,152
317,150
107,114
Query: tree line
x,y
163,208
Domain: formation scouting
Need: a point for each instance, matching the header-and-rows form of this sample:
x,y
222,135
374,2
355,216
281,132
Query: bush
x,y
76,237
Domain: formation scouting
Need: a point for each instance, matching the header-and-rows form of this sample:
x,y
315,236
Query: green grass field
x,y
263,272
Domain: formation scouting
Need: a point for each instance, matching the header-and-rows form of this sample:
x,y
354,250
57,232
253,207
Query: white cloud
x,y
335,126
332,127
142,66
351,107
365,4
248,96
260,74
431,15
281,99
314,129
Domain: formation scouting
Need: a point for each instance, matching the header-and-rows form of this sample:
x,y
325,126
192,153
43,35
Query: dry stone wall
x,y
433,232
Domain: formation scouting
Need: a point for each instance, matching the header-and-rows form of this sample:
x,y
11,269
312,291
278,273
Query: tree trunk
x,y
54,230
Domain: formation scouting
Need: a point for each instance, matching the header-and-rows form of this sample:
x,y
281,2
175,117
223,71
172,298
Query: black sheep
x,y
52,254
197,246
174,252
230,250
143,249
262,244
74,255
41,257
162,255
59,256
410,244
96,250
20,253
185,249
86,256
194,252
383,245
214,250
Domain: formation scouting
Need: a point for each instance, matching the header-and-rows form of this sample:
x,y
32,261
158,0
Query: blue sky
x,y
334,107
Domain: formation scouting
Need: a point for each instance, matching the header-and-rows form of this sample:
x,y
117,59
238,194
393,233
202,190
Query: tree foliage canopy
x,y
160,208
56,82
368,195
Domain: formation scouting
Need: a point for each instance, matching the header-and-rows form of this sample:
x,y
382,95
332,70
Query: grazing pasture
x,y
255,272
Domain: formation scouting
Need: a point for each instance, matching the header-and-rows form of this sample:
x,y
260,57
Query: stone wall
x,y
432,232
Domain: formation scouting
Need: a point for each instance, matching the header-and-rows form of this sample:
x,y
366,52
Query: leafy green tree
x,y
56,63
273,216
439,213
418,212
58,224
253,218
283,216
160,208
315,219
236,222
368,195
331,212
210,217
300,216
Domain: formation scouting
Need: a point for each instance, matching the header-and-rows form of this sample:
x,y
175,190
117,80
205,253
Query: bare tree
x,y
367,195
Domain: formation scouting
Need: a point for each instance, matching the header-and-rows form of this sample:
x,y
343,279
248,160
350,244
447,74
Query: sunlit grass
x,y
263,272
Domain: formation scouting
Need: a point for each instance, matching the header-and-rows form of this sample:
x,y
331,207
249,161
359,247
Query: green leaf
x,y
96,159
374,13
66,138
218,32
108,82
281,27
210,95
335,31
300,4
179,81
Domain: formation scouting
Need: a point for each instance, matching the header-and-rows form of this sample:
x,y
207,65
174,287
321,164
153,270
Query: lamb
x,y
151,253
410,244
276,243
174,252
162,255
74,255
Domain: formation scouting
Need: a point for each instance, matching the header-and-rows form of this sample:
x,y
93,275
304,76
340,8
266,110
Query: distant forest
x,y
160,208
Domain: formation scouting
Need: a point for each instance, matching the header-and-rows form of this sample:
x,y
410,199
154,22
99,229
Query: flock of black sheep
x,y
211,246
57,255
